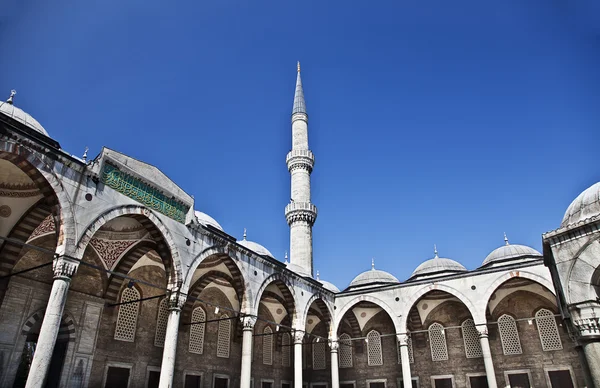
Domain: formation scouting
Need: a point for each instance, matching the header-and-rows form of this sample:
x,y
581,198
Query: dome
x,y
255,247
373,276
327,285
508,251
297,269
8,109
586,205
438,265
205,219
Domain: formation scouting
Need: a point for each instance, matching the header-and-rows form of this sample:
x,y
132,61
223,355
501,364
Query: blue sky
x,y
431,121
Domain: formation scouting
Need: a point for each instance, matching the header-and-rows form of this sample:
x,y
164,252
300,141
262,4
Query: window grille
x,y
128,315
511,344
267,347
437,342
223,338
471,339
345,351
161,323
375,356
319,356
285,349
197,331
548,331
411,356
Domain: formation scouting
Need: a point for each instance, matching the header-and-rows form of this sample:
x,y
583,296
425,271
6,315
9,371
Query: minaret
x,y
300,213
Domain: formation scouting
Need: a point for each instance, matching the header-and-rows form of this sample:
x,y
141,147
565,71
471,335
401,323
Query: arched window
x,y
285,349
374,353
345,351
128,315
267,347
546,324
197,331
511,344
319,351
437,342
224,337
471,339
161,323
411,356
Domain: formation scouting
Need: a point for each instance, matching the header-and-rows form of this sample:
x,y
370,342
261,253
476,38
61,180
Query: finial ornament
x,y
298,66
318,277
435,251
244,233
373,263
506,239
13,93
286,257
84,157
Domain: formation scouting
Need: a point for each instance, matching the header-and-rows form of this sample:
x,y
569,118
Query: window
x,y
319,356
345,351
161,323
286,384
128,314
220,381
197,331
223,338
445,381
285,349
548,331
267,347
347,384
376,383
437,342
153,378
518,379
266,383
414,381
411,356
471,339
560,379
192,381
511,344
477,381
117,377
374,353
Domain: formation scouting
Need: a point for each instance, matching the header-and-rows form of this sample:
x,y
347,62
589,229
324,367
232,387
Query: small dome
x,y
373,276
327,285
508,252
205,219
297,269
437,266
586,205
19,115
255,247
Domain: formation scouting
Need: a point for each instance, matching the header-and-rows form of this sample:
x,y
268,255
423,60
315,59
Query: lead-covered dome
x,y
205,219
327,285
437,266
373,277
586,205
17,114
255,247
510,253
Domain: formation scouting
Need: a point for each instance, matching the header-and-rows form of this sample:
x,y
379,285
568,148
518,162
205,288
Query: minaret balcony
x,y
300,159
301,211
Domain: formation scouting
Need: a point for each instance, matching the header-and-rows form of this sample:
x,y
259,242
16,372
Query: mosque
x,y
112,276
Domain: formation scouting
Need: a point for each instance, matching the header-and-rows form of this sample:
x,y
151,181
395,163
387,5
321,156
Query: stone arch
x,y
323,306
501,279
201,283
585,263
166,247
286,289
37,166
439,287
234,267
366,298
67,327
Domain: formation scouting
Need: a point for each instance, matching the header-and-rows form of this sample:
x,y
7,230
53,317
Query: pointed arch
x,y
324,307
366,298
374,350
286,289
197,329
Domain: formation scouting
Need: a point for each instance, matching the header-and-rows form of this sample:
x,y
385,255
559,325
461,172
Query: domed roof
x,y
509,251
586,205
8,109
438,265
205,219
255,247
327,285
373,276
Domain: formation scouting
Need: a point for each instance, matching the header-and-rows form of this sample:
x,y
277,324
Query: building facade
x,y
110,277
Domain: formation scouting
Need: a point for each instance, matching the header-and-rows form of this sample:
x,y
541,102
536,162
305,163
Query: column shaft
x,y
63,271
246,370
167,367
298,361
335,371
405,358
592,355
487,359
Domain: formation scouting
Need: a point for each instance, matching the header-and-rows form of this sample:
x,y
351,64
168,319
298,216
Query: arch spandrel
x,y
582,273
277,278
306,308
366,298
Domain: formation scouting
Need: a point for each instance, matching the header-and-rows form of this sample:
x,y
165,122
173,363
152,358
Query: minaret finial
x,y
299,103
286,257
318,276
13,93
298,66
435,252
84,157
373,263
506,239
244,233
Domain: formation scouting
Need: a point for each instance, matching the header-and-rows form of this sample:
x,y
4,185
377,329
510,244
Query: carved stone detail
x,y
301,211
298,336
334,345
403,339
248,322
64,268
482,330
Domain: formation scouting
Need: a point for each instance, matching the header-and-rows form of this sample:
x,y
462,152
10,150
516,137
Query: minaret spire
x,y
300,214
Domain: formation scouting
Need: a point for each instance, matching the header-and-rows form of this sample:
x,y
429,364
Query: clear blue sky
x,y
431,121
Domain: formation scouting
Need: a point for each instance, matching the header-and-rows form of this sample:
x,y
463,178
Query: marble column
x,y
487,356
167,367
298,337
247,332
592,355
64,269
335,371
405,358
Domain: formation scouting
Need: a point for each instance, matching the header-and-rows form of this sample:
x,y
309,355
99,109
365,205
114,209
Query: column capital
x,y
64,267
482,330
403,339
248,322
298,336
335,346
176,300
